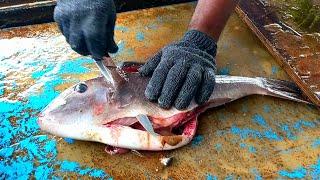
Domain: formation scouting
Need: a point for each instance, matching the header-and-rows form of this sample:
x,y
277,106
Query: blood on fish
x,y
98,109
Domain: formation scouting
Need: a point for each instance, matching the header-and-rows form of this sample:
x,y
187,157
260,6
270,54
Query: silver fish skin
x,y
108,115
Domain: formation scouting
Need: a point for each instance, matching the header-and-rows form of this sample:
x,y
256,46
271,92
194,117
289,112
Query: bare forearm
x,y
210,16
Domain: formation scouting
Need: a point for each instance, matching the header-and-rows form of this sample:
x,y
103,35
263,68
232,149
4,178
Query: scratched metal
x,y
255,137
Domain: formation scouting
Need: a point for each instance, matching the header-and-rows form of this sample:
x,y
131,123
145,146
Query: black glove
x,y
182,71
88,25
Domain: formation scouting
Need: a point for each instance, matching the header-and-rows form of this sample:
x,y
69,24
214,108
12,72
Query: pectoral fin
x,y
146,124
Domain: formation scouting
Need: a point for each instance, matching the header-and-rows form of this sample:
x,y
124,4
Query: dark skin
x,y
211,16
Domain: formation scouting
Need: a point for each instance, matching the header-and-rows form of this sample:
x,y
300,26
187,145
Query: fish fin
x,y
284,89
146,124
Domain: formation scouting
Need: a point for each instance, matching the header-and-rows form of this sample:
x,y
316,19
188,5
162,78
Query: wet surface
x,y
251,138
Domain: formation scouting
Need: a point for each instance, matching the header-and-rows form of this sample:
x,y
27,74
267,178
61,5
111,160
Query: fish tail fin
x,y
283,89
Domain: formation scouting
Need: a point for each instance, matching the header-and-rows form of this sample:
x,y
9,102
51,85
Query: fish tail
x,y
284,89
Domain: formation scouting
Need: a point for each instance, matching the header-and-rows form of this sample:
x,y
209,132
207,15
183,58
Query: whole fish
x,y
94,110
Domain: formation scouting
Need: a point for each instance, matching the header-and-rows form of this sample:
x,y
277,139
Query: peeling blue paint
x,y
197,140
211,177
229,177
316,143
121,46
256,173
289,134
252,149
300,172
224,71
24,153
315,170
1,89
243,145
69,140
140,36
245,133
218,147
40,73
259,120
303,123
274,69
121,28
266,108
312,171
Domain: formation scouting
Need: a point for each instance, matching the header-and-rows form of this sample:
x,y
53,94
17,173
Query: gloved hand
x,y
88,25
182,71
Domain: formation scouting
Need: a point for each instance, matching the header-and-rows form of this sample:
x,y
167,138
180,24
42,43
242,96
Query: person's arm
x,y
185,70
211,16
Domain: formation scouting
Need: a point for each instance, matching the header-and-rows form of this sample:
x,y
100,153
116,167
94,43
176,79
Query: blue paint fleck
x,y
300,123
218,147
266,108
121,46
229,177
69,140
256,173
224,71
285,128
316,143
252,149
312,171
272,135
197,140
211,177
75,66
246,133
243,145
274,69
40,73
315,170
259,120
152,26
1,89
121,28
140,36
300,172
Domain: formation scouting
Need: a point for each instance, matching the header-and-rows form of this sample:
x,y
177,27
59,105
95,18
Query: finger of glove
x,y
189,87
76,39
78,44
154,87
172,85
95,38
63,24
206,87
148,68
111,44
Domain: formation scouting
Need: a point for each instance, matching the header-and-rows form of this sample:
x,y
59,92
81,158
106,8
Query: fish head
x,y
78,108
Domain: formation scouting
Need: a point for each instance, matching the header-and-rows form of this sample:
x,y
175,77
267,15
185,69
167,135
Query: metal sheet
x,y
251,138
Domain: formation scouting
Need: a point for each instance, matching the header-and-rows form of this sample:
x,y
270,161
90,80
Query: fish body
x,y
107,114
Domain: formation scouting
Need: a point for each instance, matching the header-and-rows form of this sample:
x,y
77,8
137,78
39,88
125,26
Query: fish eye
x,y
81,88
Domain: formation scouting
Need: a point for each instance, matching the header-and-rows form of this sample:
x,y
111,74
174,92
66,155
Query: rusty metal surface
x,y
27,12
255,137
297,52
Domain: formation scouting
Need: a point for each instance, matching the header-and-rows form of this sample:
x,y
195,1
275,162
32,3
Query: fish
x,y
95,110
